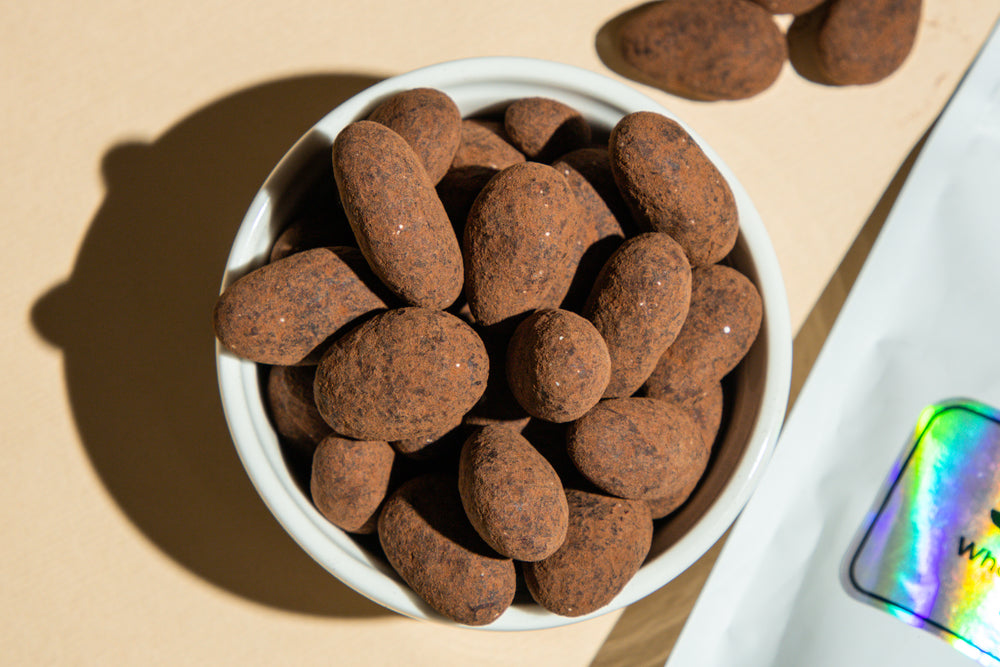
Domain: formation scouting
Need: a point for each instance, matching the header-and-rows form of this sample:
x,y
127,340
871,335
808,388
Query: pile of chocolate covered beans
x,y
504,352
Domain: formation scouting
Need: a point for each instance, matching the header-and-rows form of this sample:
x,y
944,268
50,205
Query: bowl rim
x,y
256,442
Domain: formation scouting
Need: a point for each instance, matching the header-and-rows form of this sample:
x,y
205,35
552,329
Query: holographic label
x,y
930,553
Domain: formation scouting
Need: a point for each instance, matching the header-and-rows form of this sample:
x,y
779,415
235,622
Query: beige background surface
x,y
134,138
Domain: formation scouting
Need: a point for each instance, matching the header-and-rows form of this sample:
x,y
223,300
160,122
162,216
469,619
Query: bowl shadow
x,y
134,322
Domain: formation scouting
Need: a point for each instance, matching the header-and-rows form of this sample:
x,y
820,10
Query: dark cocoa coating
x,y
398,220
511,494
672,186
864,41
557,365
459,189
486,417
484,144
549,440
433,446
543,128
429,121
293,409
635,447
604,222
706,410
705,406
638,305
694,459
402,374
481,154
350,479
604,212
306,233
606,543
722,324
705,49
429,541
497,404
518,240
281,312
789,6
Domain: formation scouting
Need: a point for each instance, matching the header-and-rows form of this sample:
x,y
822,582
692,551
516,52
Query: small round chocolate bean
x,y
557,365
349,481
511,494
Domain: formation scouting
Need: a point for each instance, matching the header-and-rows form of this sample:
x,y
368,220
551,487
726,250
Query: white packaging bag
x,y
922,324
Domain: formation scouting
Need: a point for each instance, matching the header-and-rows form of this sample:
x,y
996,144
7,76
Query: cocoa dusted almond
x,y
864,41
705,49
638,305
398,219
606,543
519,237
429,541
511,494
308,232
482,152
723,322
636,447
293,408
484,143
604,218
350,479
405,373
429,121
696,460
557,365
672,186
543,128
283,311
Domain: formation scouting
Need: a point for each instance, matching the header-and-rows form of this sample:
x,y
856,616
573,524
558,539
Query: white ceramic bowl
x,y
761,382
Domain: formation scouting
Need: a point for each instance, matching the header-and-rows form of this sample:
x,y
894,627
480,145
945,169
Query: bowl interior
x,y
756,392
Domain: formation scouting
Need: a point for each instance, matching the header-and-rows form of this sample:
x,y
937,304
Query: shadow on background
x,y
646,632
134,321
